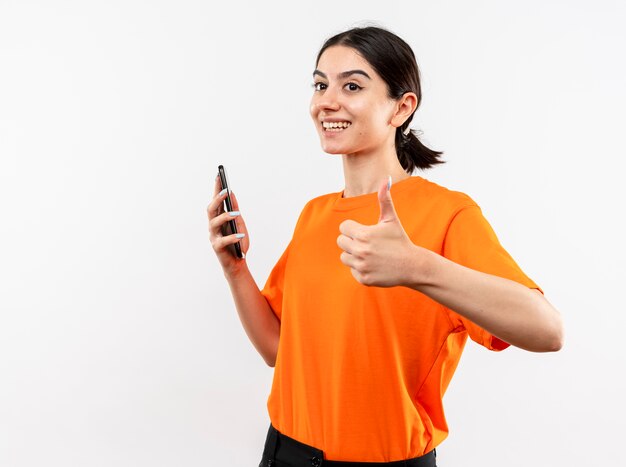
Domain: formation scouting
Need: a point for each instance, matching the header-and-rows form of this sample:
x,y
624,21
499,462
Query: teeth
x,y
336,126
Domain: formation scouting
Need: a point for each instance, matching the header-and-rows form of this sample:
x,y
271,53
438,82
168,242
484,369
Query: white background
x,y
119,342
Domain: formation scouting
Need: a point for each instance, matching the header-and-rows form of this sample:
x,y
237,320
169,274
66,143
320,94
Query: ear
x,y
405,106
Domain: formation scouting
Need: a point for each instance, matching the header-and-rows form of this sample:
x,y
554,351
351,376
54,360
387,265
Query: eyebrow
x,y
344,74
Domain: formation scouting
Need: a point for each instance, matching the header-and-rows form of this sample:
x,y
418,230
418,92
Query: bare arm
x,y
258,320
511,311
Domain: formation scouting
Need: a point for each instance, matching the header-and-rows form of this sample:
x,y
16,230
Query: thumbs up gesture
x,y
379,255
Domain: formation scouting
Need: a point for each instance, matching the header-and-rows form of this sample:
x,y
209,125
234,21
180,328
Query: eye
x,y
319,86
353,86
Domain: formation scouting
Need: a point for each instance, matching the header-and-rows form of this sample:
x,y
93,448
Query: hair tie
x,y
406,131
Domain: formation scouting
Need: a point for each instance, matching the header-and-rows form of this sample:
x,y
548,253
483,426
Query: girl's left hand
x,y
379,255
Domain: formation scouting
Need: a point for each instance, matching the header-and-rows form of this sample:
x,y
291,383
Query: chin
x,y
333,148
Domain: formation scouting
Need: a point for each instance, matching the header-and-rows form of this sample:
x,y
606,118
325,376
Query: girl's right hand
x,y
220,242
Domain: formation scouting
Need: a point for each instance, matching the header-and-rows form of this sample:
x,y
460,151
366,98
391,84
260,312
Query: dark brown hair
x,y
393,59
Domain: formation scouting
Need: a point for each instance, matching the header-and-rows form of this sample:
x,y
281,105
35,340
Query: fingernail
x,y
233,213
240,235
389,183
223,191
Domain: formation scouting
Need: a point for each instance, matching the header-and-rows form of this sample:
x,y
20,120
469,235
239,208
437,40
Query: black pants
x,y
283,451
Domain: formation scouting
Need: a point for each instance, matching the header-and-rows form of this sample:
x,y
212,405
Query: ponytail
x,y
412,153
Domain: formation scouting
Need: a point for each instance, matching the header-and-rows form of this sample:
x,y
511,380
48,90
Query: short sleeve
x,y
273,290
274,286
472,242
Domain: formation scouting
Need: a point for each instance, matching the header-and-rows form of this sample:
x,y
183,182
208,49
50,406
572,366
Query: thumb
x,y
387,210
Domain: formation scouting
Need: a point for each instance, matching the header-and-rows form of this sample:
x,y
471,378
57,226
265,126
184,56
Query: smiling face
x,y
350,106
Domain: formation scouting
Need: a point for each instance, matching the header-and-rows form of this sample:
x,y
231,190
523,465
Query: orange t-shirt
x,y
361,371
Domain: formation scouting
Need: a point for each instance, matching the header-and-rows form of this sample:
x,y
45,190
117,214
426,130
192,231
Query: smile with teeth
x,y
335,126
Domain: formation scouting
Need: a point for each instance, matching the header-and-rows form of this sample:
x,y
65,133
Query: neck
x,y
365,172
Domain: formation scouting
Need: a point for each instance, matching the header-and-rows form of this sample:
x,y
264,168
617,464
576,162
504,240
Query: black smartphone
x,y
230,227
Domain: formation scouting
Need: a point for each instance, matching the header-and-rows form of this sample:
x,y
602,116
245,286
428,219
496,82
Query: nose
x,y
327,100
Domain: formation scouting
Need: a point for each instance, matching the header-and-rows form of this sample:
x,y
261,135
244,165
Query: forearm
x,y
258,320
510,311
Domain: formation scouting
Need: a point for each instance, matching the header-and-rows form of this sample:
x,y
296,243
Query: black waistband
x,y
283,451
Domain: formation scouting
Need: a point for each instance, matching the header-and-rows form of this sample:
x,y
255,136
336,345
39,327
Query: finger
x,y
216,223
345,243
387,209
222,242
360,277
239,221
240,227
237,238
348,259
217,186
233,198
351,228
215,206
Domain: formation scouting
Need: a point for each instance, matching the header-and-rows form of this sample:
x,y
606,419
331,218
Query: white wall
x,y
119,342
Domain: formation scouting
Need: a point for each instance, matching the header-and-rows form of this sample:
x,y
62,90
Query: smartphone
x,y
230,227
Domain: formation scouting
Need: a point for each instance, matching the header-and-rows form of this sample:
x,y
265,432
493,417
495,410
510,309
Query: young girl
x,y
366,313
